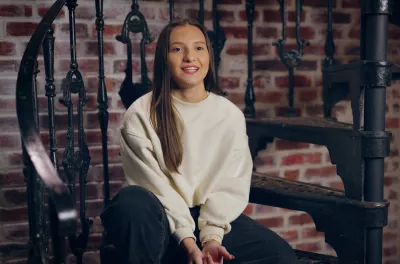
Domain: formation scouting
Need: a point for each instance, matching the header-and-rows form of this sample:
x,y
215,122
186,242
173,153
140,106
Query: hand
x,y
214,253
195,256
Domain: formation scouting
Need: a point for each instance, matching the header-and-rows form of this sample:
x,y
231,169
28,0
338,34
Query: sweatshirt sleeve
x,y
230,195
141,168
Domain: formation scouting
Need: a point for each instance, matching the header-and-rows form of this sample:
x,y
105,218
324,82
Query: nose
x,y
189,56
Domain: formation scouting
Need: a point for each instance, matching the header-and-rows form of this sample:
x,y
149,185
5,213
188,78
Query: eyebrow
x,y
196,42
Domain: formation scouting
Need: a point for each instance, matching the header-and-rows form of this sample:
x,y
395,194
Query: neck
x,y
190,95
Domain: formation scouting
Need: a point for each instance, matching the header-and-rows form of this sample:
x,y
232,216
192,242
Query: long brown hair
x,y
163,115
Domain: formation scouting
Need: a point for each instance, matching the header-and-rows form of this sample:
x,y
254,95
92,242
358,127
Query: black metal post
x,y
374,33
292,58
171,10
201,12
249,98
102,99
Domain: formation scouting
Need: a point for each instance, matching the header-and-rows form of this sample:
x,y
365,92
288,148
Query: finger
x,y
209,259
198,260
225,253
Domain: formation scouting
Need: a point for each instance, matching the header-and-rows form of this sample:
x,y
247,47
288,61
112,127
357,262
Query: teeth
x,y
191,69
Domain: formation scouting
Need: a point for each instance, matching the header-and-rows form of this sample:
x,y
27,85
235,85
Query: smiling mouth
x,y
190,70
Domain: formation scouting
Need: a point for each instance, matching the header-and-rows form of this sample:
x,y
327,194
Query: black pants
x,y
136,224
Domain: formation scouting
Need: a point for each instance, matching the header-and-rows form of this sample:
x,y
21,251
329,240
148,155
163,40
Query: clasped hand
x,y
212,253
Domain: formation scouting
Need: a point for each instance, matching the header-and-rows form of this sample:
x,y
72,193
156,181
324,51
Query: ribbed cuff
x,y
211,232
182,233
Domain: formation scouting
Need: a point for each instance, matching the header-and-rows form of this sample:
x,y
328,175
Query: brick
x,y
243,15
350,4
271,16
7,48
264,209
266,32
80,29
271,222
241,49
120,12
299,81
235,32
15,11
149,49
229,82
392,122
389,237
306,33
307,96
9,66
194,13
272,97
84,65
290,235
328,171
120,65
337,17
308,246
13,197
10,141
287,145
13,215
8,124
11,178
271,65
301,158
112,85
300,219
7,104
20,29
390,251
15,232
311,233
248,210
97,155
42,10
109,30
85,12
291,174
92,48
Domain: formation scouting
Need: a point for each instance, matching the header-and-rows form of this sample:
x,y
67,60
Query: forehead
x,y
186,34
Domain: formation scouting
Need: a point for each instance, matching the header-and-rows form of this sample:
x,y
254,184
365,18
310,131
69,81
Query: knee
x,y
133,201
286,255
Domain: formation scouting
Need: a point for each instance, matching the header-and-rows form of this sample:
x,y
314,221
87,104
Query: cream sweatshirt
x,y
215,172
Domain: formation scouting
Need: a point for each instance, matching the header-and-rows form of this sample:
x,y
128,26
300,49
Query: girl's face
x,y
188,57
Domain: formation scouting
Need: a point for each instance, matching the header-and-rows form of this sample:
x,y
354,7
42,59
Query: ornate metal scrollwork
x,y
291,58
79,160
135,22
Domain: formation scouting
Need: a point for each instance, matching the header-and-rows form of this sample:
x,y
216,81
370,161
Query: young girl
x,y
188,167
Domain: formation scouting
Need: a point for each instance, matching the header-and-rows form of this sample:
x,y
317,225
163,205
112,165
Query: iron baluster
x,y
135,22
201,12
171,10
249,98
102,99
292,58
79,160
374,38
329,41
48,54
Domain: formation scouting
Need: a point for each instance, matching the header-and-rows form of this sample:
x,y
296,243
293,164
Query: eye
x,y
176,49
200,48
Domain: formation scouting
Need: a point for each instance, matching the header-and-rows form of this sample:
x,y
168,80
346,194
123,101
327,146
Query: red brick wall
x,y
305,162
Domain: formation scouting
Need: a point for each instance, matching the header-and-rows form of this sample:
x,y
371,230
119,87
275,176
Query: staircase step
x,y
314,199
304,257
316,130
